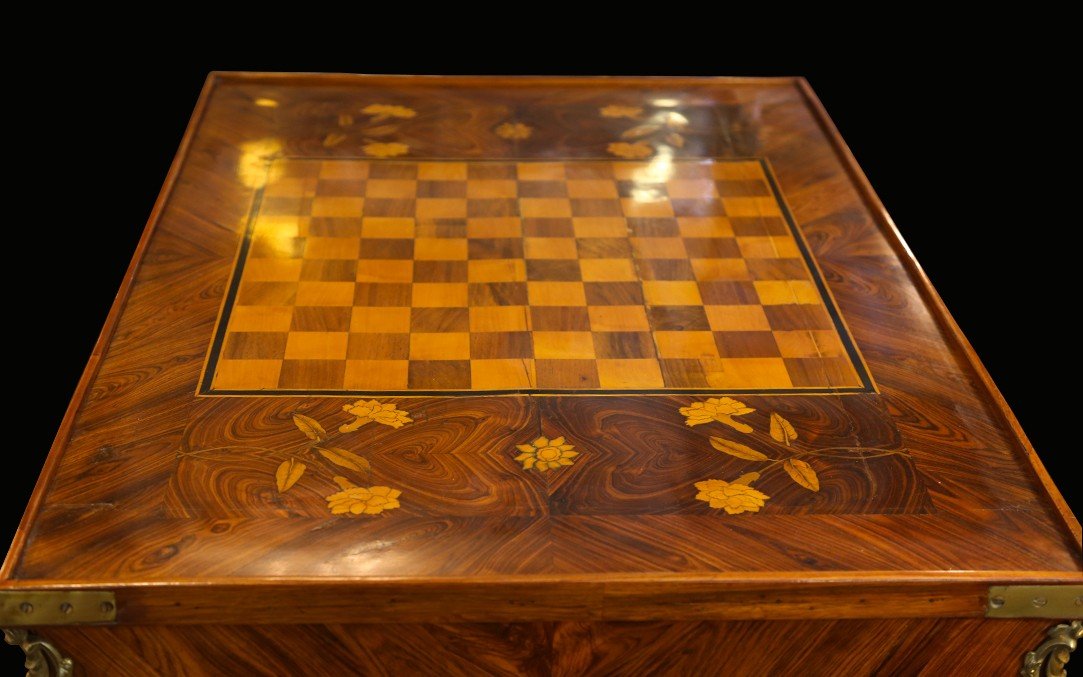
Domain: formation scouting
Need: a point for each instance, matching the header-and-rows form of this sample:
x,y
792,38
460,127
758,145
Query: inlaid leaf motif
x,y
343,483
738,450
310,427
345,120
288,473
674,139
345,459
381,130
782,430
639,131
747,479
802,473
332,140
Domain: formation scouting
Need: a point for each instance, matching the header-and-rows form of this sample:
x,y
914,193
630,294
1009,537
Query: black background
x,y
955,149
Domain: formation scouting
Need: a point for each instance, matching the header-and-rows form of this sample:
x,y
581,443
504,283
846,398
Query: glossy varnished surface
x,y
156,478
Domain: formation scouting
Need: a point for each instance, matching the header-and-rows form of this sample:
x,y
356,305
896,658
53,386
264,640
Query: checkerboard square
x,y
384,206
613,293
746,344
492,207
274,270
255,346
625,374
372,346
381,294
311,374
439,294
567,374
335,248
440,249
496,270
498,294
545,206
646,207
658,248
260,318
316,345
599,226
540,171
607,270
321,319
556,294
548,227
759,226
618,318
737,318
387,248
329,270
267,294
554,270
678,318
439,375
337,206
385,270
671,293
379,320
543,189
442,346
441,171
440,271
325,293
496,248
427,320
666,269
393,170
247,374
377,227
728,292
494,227
560,318
393,188
603,248
499,318
689,344
624,345
563,345
782,292
777,269
502,374
494,345
376,375
441,189
492,188
592,188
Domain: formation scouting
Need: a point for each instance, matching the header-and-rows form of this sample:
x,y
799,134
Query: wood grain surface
x,y
150,486
882,647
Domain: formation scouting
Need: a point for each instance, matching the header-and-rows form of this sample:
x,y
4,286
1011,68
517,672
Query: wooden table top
x,y
530,347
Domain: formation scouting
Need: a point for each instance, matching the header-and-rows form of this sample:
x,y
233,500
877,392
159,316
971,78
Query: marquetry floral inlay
x,y
717,409
385,149
615,111
659,132
733,497
546,454
631,151
786,455
372,411
357,500
514,130
370,126
323,454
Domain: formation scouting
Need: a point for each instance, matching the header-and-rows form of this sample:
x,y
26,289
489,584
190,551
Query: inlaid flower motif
x,y
632,151
717,409
387,110
356,500
615,111
733,497
385,149
546,454
514,130
367,412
